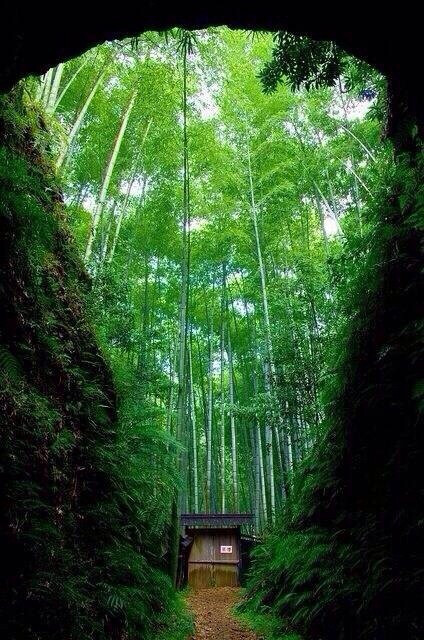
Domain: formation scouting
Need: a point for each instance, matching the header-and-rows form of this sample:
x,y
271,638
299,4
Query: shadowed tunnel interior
x,y
369,492
388,42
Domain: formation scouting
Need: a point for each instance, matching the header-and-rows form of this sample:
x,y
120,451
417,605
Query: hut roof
x,y
216,519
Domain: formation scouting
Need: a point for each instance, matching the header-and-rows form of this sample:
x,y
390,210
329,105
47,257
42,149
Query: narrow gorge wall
x,y
56,398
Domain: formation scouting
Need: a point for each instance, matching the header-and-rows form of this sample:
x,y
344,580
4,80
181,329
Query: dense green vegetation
x,y
256,240
84,520
345,560
236,266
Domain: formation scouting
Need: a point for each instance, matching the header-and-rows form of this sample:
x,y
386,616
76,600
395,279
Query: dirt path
x,y
212,610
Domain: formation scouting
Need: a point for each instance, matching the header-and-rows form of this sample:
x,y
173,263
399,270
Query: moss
x,y
72,529
345,561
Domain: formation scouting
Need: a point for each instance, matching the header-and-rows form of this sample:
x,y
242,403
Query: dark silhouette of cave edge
x,y
33,39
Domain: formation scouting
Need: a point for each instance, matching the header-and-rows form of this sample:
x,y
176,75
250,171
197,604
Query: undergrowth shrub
x,y
82,530
345,560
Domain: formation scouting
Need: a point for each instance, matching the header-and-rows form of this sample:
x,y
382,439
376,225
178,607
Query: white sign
x,y
226,549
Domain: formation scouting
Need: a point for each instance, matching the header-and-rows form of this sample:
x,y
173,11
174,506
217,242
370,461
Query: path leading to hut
x,y
213,617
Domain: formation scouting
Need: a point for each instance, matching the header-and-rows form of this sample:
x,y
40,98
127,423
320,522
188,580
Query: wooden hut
x,y
212,548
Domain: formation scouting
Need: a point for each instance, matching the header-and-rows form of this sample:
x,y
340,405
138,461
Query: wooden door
x,y
214,559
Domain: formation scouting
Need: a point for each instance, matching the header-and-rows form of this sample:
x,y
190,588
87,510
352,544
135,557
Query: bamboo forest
x,y
202,357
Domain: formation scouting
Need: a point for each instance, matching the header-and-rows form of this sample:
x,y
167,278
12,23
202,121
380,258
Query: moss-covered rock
x,y
346,559
77,557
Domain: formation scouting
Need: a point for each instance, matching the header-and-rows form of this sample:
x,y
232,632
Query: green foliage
x,y
345,559
266,626
304,62
9,365
310,64
313,160
89,459
83,532
335,566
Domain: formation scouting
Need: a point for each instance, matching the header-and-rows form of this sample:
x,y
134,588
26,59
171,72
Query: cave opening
x,y
227,225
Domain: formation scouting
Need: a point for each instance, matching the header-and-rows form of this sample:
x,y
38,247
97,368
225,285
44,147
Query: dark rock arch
x,y
32,40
